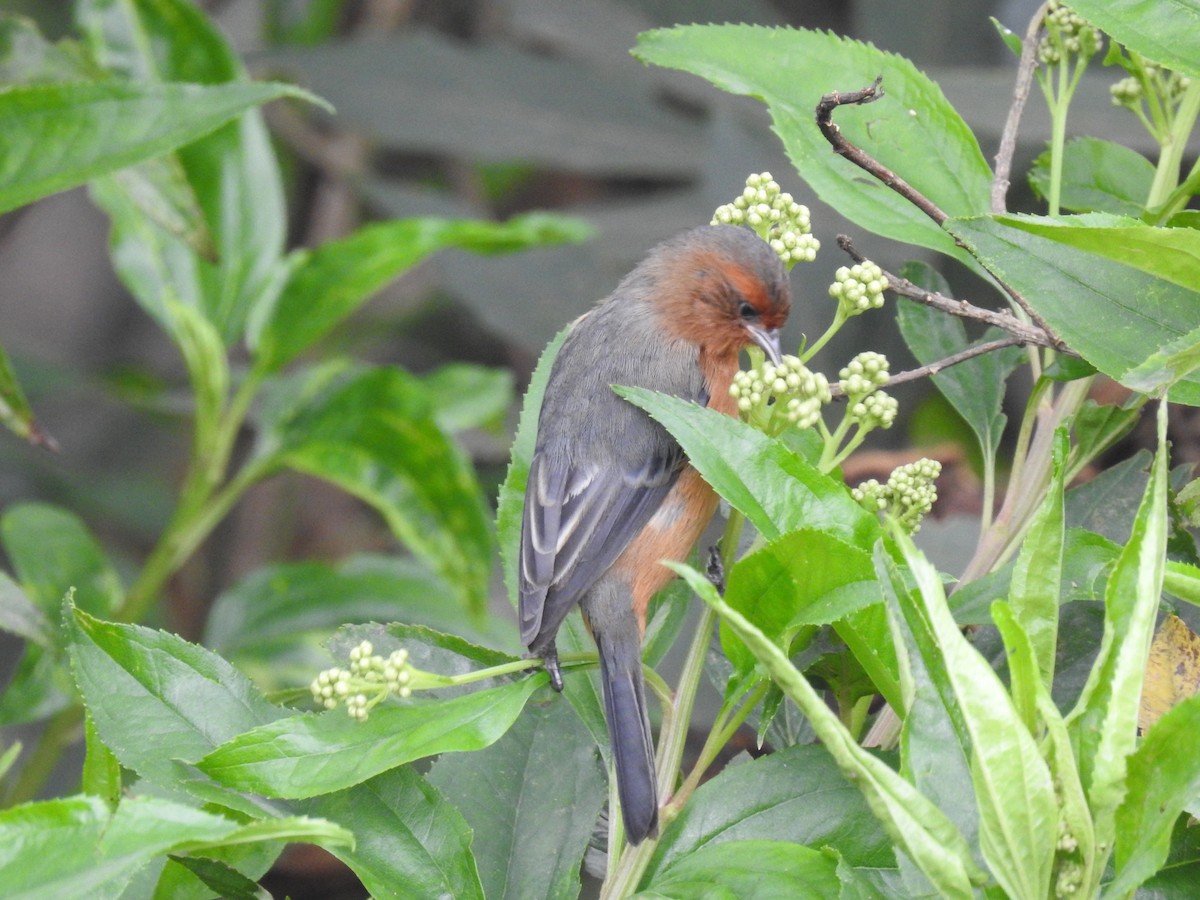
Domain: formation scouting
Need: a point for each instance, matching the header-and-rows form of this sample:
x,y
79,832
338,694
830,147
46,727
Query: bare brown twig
x,y
1008,138
1024,332
833,134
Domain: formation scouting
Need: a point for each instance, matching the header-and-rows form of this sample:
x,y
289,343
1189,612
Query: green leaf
x,y
101,769
795,795
468,396
314,754
1103,723
1163,32
208,369
15,413
1163,778
156,699
975,388
329,283
52,552
911,129
1034,592
20,616
1011,39
1137,284
1097,176
935,743
511,502
77,847
226,881
770,870
914,823
409,841
532,799
374,434
231,176
803,578
58,136
776,489
1018,817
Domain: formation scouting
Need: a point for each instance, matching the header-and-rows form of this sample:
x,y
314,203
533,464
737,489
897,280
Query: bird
x,y
610,493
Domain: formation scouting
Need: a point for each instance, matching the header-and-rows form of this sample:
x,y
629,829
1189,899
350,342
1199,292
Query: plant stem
x,y
43,757
1174,143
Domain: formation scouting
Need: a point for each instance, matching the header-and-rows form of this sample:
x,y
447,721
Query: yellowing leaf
x,y
1172,672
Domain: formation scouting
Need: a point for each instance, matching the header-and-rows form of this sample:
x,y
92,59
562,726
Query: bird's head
x,y
722,287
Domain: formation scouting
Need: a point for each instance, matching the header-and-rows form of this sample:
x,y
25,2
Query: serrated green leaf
x,y
1018,817
796,795
409,842
1124,297
914,823
911,129
1103,723
314,754
776,489
1163,32
58,136
532,799
156,699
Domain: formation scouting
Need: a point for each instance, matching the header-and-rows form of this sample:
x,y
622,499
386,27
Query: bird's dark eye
x,y
747,311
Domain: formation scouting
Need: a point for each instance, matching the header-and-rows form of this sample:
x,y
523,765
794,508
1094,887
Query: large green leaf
x,y
1166,32
910,819
57,136
329,283
805,577
78,847
1018,816
374,434
315,754
532,799
1103,723
1125,297
156,699
768,870
235,222
409,842
911,130
795,795
777,490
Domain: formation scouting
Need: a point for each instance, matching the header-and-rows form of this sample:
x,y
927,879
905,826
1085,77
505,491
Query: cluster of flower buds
x,y
858,288
1167,85
370,679
772,395
776,217
909,494
1067,34
861,381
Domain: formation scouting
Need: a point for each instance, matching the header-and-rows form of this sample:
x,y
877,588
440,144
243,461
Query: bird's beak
x,y
769,341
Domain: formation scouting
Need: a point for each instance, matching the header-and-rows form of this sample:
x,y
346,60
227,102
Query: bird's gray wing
x,y
579,516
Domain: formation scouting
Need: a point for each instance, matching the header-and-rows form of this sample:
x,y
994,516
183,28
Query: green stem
x,y
838,321
1174,144
43,757
1058,136
673,735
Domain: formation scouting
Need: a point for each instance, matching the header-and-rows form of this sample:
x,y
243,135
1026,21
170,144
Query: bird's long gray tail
x,y
618,640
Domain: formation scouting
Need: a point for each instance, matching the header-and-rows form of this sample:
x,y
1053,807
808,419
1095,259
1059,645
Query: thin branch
x,y
1008,138
833,134
1023,331
864,161
934,367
